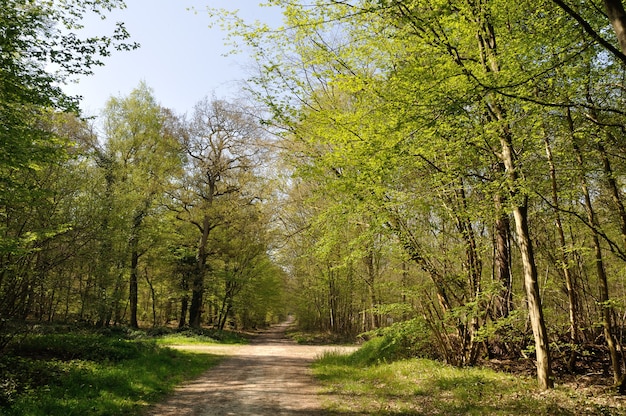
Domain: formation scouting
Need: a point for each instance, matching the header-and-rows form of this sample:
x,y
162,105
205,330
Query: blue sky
x,y
180,58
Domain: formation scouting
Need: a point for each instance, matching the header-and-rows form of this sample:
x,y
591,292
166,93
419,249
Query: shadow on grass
x,y
81,387
425,387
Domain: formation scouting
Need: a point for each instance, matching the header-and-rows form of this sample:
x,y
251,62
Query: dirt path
x,y
270,376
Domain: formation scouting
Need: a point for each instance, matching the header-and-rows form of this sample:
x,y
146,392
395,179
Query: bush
x,y
407,339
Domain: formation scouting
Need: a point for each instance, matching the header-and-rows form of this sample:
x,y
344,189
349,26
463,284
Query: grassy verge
x,y
201,337
318,338
91,374
360,386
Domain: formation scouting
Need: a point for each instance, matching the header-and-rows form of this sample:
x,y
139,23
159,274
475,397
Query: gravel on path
x,y
270,376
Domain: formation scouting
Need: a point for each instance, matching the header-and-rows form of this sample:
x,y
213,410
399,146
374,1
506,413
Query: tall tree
x,y
146,158
222,144
416,37
35,36
420,111
241,264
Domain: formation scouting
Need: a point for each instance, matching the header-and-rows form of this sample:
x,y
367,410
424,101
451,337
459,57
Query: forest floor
x,y
270,376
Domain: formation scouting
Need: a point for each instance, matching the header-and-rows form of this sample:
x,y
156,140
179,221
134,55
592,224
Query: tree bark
x,y
184,307
615,192
133,289
487,46
370,282
531,284
504,303
473,268
617,17
153,296
533,298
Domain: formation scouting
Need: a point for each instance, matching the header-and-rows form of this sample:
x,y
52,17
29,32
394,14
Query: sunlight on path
x,y
271,376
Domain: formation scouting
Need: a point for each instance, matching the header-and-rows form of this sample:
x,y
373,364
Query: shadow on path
x,y
270,376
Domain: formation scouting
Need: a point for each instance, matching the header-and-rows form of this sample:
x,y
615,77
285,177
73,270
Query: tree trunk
x,y
134,263
487,47
502,259
197,287
535,309
133,288
473,268
154,301
332,302
617,17
184,306
195,308
565,262
504,303
370,282
607,321
531,284
615,192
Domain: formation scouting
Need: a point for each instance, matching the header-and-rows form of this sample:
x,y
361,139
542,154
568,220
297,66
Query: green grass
x,y
359,386
201,337
318,338
91,374
178,339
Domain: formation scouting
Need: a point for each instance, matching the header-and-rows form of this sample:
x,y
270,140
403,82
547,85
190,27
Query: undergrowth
x,y
378,379
201,336
90,373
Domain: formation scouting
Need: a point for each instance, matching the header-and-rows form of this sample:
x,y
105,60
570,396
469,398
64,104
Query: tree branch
x,y
591,32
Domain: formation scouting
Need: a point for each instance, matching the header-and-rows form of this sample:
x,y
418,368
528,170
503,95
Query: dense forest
x,y
140,217
451,172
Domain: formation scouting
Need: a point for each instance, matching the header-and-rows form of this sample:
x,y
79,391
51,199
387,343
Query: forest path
x,y
270,376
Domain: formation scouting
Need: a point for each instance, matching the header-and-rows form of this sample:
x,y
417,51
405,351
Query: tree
x,y
222,145
145,160
36,35
337,56
245,284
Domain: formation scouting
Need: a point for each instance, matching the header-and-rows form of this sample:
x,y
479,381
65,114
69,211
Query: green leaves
x,y
413,129
31,42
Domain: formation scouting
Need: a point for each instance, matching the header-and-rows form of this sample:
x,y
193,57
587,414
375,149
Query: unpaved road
x,y
271,376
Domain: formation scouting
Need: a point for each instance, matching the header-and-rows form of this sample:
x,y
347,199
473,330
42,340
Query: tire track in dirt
x,y
270,376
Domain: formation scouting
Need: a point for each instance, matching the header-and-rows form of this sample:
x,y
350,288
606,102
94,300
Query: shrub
x,y
406,339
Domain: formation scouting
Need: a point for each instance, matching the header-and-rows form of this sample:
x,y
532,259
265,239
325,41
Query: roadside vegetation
x,y
87,372
387,376
318,337
201,336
